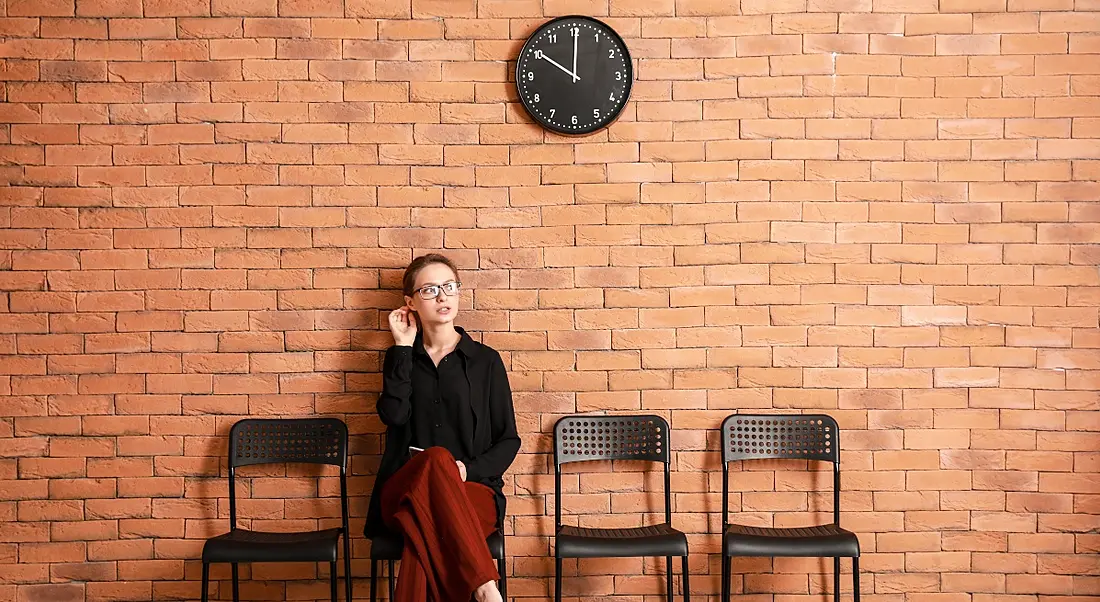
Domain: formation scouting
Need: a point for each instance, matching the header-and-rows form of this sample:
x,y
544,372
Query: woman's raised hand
x,y
403,326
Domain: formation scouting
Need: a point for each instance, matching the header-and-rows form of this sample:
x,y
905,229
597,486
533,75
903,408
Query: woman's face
x,y
441,308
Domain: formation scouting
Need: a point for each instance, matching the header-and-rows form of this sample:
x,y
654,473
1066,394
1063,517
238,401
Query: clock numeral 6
x,y
574,120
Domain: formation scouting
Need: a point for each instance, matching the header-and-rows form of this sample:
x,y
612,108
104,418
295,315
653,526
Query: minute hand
x,y
559,66
575,78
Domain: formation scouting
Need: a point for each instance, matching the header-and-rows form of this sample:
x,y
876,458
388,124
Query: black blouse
x,y
437,403
464,405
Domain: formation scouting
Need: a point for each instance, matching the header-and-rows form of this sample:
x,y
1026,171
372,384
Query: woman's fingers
x,y
402,320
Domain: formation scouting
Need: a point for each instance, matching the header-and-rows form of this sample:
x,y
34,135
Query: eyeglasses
x,y
431,291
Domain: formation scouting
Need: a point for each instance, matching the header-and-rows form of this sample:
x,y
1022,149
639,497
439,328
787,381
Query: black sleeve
x,y
395,402
502,423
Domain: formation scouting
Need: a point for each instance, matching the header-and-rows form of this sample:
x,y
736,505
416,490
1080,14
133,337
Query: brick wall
x,y
882,209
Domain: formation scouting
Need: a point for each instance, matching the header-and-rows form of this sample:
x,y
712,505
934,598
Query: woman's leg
x,y
445,557
484,502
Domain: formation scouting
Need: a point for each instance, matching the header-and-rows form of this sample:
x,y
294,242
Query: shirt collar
x,y
466,344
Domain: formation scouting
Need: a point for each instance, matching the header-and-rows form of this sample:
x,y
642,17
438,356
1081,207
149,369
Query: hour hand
x,y
559,66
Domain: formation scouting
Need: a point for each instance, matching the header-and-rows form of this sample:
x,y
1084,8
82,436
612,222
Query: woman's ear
x,y
412,311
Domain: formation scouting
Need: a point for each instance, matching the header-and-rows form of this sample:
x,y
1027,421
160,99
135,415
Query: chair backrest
x,y
585,438
780,436
800,437
288,440
276,440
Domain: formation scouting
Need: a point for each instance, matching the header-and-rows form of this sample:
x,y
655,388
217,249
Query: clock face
x,y
574,75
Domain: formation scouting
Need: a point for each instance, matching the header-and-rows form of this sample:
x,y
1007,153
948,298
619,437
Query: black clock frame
x,y
629,85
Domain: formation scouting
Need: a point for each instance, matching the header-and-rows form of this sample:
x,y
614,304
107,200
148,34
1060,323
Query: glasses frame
x,y
442,289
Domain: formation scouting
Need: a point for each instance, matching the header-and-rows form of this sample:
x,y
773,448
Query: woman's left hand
x,y
461,469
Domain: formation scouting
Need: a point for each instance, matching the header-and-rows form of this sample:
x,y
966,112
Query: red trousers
x,y
444,522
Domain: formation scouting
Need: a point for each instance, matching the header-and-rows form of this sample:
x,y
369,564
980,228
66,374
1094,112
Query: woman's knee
x,y
437,454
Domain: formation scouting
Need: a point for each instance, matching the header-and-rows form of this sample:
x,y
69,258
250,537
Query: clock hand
x,y
556,64
575,36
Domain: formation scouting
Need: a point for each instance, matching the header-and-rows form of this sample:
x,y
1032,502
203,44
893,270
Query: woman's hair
x,y
408,282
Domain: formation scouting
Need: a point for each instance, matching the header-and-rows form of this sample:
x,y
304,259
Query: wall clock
x,y
574,75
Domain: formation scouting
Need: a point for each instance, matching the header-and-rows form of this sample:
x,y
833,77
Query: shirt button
x,y
438,425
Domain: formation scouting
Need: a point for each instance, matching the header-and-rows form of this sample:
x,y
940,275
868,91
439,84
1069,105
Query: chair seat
x,y
388,546
242,545
821,541
654,540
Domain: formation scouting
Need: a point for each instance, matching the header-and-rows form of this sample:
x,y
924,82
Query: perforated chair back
x,y
277,440
628,437
583,438
801,437
780,436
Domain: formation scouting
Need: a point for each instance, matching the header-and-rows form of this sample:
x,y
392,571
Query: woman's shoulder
x,y
487,354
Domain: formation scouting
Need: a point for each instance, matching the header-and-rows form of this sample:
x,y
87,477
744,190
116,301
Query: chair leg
x,y
373,580
726,560
836,579
205,581
347,569
557,579
684,578
668,582
392,580
332,581
855,579
236,584
502,568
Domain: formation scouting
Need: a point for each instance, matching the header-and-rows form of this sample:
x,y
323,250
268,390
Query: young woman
x,y
448,395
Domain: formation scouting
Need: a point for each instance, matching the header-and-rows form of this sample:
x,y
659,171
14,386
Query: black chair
x,y
800,437
388,546
275,441
636,437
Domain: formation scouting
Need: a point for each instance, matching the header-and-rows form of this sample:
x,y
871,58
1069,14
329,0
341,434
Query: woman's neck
x,y
440,336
